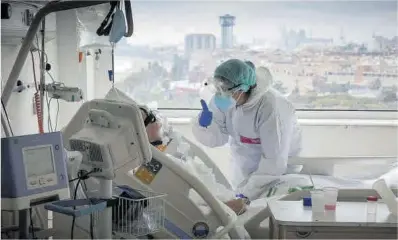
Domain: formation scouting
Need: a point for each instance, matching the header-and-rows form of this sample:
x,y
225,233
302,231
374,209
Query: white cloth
x,y
263,133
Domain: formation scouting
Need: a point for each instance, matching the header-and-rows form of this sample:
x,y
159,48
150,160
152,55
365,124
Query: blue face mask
x,y
224,102
118,27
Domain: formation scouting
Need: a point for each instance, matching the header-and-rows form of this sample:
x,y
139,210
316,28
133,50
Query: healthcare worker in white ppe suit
x,y
259,123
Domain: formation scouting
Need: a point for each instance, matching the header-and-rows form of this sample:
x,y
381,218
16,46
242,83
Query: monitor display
x,y
38,161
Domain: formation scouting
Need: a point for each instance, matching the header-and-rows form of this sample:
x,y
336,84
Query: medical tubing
x,y
37,98
39,112
102,29
113,65
129,18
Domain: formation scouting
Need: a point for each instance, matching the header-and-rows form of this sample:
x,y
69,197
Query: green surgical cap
x,y
235,72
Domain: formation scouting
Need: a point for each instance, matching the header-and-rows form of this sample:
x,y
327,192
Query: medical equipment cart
x,y
291,220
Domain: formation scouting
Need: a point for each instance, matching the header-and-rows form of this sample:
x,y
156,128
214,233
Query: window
x,y
323,55
207,43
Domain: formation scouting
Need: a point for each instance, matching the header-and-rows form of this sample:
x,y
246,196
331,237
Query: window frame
x,y
319,114
313,114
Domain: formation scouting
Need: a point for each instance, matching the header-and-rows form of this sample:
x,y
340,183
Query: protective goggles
x,y
150,117
221,86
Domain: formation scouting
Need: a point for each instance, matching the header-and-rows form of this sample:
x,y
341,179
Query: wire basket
x,y
138,217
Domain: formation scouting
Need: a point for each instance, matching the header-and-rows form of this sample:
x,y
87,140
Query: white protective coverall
x,y
262,133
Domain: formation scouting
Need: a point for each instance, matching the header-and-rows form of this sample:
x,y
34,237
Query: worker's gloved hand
x,y
206,116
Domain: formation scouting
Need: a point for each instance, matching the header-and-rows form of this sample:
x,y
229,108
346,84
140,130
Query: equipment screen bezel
x,y
40,181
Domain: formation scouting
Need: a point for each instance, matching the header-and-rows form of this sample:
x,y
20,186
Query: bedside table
x,y
291,220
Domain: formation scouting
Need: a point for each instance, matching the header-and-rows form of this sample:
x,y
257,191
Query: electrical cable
x,y
79,179
74,218
34,70
82,177
56,116
31,223
49,122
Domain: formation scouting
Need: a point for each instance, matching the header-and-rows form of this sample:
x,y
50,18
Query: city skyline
x,y
165,22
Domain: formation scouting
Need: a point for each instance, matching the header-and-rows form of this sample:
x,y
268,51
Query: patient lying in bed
x,y
154,132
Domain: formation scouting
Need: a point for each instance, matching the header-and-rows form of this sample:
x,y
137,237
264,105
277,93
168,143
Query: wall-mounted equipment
x,y
16,18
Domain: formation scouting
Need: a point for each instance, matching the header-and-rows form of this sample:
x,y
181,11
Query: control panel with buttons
x,y
42,181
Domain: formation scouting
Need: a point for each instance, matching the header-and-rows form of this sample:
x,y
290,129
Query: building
x,y
382,44
199,42
293,39
227,23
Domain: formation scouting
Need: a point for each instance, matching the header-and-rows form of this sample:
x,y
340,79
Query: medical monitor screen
x,y
38,161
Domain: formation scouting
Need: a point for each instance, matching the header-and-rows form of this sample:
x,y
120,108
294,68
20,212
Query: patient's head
x,y
152,125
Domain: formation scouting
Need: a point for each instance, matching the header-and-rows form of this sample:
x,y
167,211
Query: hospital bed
x,y
184,218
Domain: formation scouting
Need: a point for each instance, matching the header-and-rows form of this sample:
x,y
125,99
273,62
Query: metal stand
x,y
24,224
42,65
105,225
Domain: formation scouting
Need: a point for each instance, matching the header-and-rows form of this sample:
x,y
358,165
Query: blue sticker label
x,y
171,227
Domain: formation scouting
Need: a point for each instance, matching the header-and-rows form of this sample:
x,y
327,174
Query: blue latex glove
x,y
205,116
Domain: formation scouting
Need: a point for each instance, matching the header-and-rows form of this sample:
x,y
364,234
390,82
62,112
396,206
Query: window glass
x,y
330,55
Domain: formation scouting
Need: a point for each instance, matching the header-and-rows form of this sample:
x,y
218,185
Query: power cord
x,y
31,223
82,176
74,218
49,122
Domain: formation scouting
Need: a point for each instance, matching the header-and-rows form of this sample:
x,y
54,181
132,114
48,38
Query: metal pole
x,y
4,124
105,225
43,67
24,224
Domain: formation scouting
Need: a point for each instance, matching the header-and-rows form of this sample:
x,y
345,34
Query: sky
x,y
167,22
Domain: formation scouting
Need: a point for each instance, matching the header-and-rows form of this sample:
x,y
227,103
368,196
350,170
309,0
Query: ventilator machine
x,y
34,169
